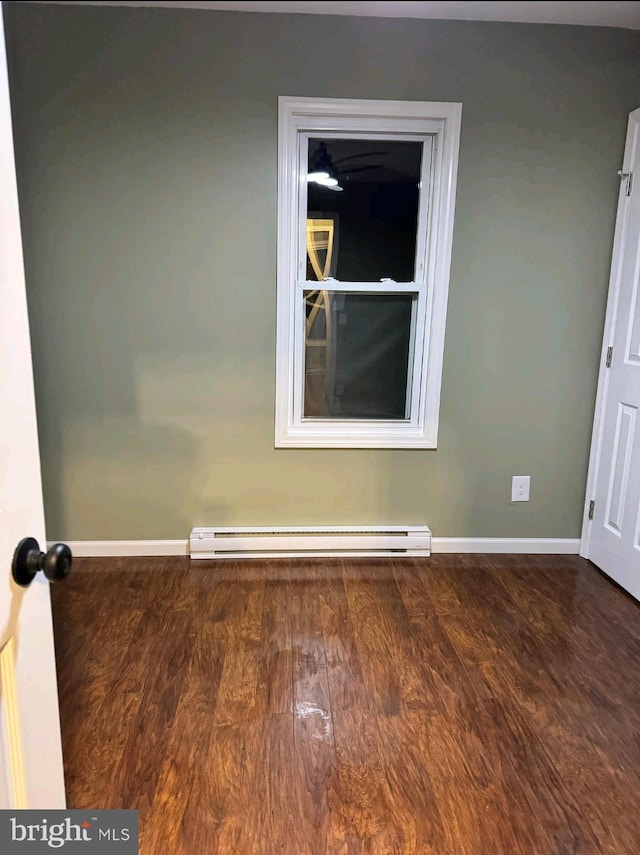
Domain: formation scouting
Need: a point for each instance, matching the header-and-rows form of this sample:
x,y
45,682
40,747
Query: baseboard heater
x,y
315,542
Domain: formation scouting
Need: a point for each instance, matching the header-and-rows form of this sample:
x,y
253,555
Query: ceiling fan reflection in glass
x,y
377,208
323,170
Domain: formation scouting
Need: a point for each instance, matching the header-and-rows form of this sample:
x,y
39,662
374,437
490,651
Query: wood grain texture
x,y
460,705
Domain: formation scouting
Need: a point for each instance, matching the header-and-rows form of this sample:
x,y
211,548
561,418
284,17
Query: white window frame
x,y
300,118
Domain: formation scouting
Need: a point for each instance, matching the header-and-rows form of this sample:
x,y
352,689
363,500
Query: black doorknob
x,y
28,559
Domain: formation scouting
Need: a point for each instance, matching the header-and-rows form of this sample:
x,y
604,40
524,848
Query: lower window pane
x,y
357,355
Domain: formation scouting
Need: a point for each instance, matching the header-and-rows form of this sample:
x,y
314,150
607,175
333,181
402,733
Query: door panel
x,y
30,751
613,538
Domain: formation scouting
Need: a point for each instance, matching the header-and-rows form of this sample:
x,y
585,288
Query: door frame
x,y
31,759
619,247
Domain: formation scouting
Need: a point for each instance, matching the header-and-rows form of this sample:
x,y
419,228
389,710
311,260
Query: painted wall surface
x,y
146,144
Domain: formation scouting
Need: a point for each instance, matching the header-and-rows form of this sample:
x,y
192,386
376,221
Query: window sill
x,y
370,435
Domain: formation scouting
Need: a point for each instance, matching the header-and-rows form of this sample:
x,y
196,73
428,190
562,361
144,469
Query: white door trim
x,y
31,751
619,241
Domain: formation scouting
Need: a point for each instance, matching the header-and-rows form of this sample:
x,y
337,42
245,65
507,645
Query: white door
x,y
30,751
612,538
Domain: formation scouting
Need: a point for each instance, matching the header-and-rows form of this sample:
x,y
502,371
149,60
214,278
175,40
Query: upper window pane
x,y
362,209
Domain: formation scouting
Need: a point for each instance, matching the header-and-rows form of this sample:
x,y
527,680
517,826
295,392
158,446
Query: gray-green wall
x,y
146,150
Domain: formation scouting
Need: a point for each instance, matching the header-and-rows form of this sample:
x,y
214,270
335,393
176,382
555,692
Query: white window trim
x,y
338,116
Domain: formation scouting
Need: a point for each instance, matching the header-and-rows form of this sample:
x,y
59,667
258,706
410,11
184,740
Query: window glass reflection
x,y
357,355
370,189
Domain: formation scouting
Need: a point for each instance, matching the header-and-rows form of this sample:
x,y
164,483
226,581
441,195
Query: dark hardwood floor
x,y
461,704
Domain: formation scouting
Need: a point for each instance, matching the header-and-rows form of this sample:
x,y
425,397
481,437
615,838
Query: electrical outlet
x,y
520,488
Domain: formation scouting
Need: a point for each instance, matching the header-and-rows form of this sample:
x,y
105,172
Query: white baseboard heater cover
x,y
314,542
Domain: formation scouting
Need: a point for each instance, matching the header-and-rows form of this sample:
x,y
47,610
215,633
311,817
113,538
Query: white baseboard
x,y
522,545
127,548
506,545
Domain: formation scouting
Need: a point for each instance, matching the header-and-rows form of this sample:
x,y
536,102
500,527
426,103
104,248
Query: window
x,y
366,193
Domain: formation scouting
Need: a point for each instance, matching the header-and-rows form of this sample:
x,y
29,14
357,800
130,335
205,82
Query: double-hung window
x,y
366,194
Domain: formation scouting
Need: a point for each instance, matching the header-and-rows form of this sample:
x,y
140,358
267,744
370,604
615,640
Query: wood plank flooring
x,y
461,705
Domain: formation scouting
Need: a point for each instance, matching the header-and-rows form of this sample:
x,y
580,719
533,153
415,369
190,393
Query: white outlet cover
x,y
520,486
